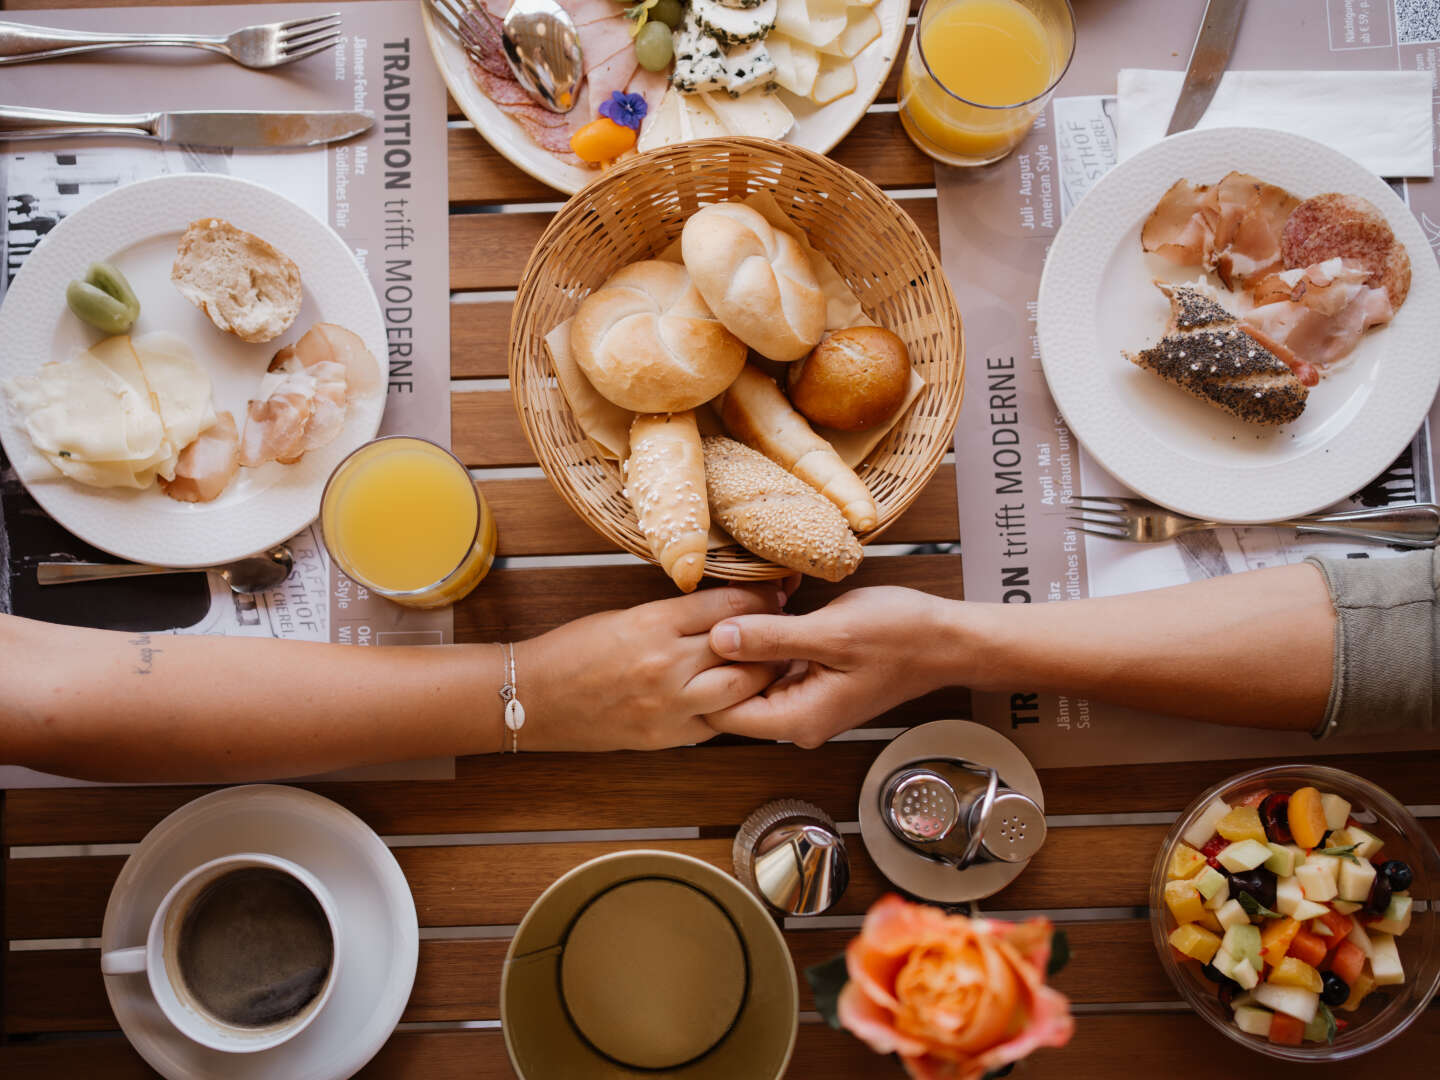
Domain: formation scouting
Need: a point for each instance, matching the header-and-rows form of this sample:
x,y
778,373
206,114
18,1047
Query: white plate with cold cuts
x,y
1097,301
137,228
816,127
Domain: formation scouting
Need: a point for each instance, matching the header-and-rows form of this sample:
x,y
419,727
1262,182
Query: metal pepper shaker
x,y
790,854
952,811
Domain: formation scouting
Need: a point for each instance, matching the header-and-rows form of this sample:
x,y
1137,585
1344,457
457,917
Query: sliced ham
x,y
602,39
584,12
651,85
614,74
1181,228
1251,217
275,424
1330,308
207,465
326,342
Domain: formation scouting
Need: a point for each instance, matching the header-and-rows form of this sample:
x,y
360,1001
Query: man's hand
x,y
862,654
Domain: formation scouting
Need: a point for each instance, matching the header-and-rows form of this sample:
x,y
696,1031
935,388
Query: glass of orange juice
x,y
402,517
978,73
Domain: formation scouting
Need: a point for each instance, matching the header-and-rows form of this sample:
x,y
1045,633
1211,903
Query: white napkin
x,y
1382,119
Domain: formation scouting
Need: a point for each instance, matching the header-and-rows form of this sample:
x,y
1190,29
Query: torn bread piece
x,y
242,283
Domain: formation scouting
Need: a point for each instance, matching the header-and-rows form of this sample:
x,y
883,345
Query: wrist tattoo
x,y
145,658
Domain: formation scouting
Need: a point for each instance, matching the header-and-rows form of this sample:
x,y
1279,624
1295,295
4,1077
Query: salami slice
x,y
1348,227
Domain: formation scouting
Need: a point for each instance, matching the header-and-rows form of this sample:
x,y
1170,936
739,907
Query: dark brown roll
x,y
853,380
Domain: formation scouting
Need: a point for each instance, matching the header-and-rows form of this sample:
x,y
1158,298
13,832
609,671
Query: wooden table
x,y
1091,875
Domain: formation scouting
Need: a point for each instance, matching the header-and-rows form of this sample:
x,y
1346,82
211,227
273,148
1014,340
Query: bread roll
x,y
757,413
776,515
665,482
647,342
853,380
756,279
242,283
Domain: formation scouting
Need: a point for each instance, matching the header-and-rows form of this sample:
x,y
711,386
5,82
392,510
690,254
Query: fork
x,y
1135,519
453,13
267,45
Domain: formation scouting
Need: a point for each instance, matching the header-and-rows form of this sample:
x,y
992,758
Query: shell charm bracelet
x,y
514,711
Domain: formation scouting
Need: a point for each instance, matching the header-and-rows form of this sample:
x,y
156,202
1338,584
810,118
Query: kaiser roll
x,y
756,279
647,342
853,380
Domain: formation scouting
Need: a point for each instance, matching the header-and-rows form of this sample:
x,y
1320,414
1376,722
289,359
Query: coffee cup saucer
x,y
380,935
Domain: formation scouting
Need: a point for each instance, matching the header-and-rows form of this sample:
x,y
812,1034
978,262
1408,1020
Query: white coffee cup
x,y
158,959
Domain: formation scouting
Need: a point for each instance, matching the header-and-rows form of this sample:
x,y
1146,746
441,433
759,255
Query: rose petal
x,y
872,1024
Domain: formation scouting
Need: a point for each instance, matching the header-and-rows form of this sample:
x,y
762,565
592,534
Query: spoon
x,y
252,574
542,47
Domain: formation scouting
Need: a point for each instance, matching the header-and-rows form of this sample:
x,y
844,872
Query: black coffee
x,y
255,947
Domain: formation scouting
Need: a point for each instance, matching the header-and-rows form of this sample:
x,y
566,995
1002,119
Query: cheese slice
x,y
796,64
835,79
179,387
861,28
662,127
816,22
696,119
753,113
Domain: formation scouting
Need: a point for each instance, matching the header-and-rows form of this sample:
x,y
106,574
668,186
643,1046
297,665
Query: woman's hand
x,y
864,653
639,679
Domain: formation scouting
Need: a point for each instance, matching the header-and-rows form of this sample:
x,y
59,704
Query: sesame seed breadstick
x,y
757,413
776,515
665,481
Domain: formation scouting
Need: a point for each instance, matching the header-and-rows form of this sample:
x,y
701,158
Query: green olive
x,y
98,308
104,299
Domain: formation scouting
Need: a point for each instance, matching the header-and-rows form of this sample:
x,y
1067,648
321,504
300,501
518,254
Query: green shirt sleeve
x,y
1385,644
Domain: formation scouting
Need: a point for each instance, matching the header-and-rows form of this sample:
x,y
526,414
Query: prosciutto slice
x,y
1181,228
207,465
275,424
1329,308
1251,217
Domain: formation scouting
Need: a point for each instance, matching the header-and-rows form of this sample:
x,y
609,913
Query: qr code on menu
x,y
1417,20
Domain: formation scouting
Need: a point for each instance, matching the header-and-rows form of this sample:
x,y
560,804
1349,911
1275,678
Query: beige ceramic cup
x,y
646,961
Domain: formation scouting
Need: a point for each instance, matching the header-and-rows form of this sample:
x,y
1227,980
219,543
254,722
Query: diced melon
x,y
1208,920
1203,827
1222,895
1366,844
1224,963
1288,895
1397,917
1195,942
1242,941
1209,882
1243,855
1385,961
1309,909
1318,1029
1183,900
1355,880
1232,914
1253,1020
1362,939
1316,881
1185,861
1346,907
1241,823
1276,937
1292,971
1291,1000
1337,811
1359,990
1246,974
1281,862
1242,998
1318,927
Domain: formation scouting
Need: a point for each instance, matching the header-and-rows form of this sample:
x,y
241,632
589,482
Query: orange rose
x,y
954,997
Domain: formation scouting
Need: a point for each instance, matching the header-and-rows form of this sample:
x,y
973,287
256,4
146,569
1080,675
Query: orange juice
x,y
979,71
402,517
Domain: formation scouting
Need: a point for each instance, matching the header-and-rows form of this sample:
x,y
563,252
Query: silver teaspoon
x,y
543,49
253,574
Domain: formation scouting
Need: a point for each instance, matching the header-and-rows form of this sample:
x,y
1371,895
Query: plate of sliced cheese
x,y
187,359
803,71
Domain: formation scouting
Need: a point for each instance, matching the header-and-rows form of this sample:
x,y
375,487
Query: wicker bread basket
x,y
635,210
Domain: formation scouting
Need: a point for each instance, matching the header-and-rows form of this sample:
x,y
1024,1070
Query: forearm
x,y
108,706
1254,649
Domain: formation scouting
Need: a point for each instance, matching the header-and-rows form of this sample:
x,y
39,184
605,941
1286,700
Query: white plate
x,y
1096,299
137,227
817,127
381,933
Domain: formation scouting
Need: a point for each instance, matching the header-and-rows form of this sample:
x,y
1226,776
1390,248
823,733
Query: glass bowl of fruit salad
x,y
1288,906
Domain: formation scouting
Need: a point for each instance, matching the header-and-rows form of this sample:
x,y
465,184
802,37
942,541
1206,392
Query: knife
x,y
238,128
1207,62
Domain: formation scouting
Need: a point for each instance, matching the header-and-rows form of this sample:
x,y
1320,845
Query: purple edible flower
x,y
625,109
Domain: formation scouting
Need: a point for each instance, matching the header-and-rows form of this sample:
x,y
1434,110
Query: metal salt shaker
x,y
790,854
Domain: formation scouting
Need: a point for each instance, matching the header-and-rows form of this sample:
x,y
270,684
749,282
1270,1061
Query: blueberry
x,y
1397,875
1379,898
1336,990
1259,883
1211,972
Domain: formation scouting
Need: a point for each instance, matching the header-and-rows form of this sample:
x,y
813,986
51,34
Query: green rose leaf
x,y
1059,953
826,981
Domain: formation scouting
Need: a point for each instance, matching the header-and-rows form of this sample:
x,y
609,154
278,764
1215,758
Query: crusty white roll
x,y
777,516
665,481
758,414
647,341
757,280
